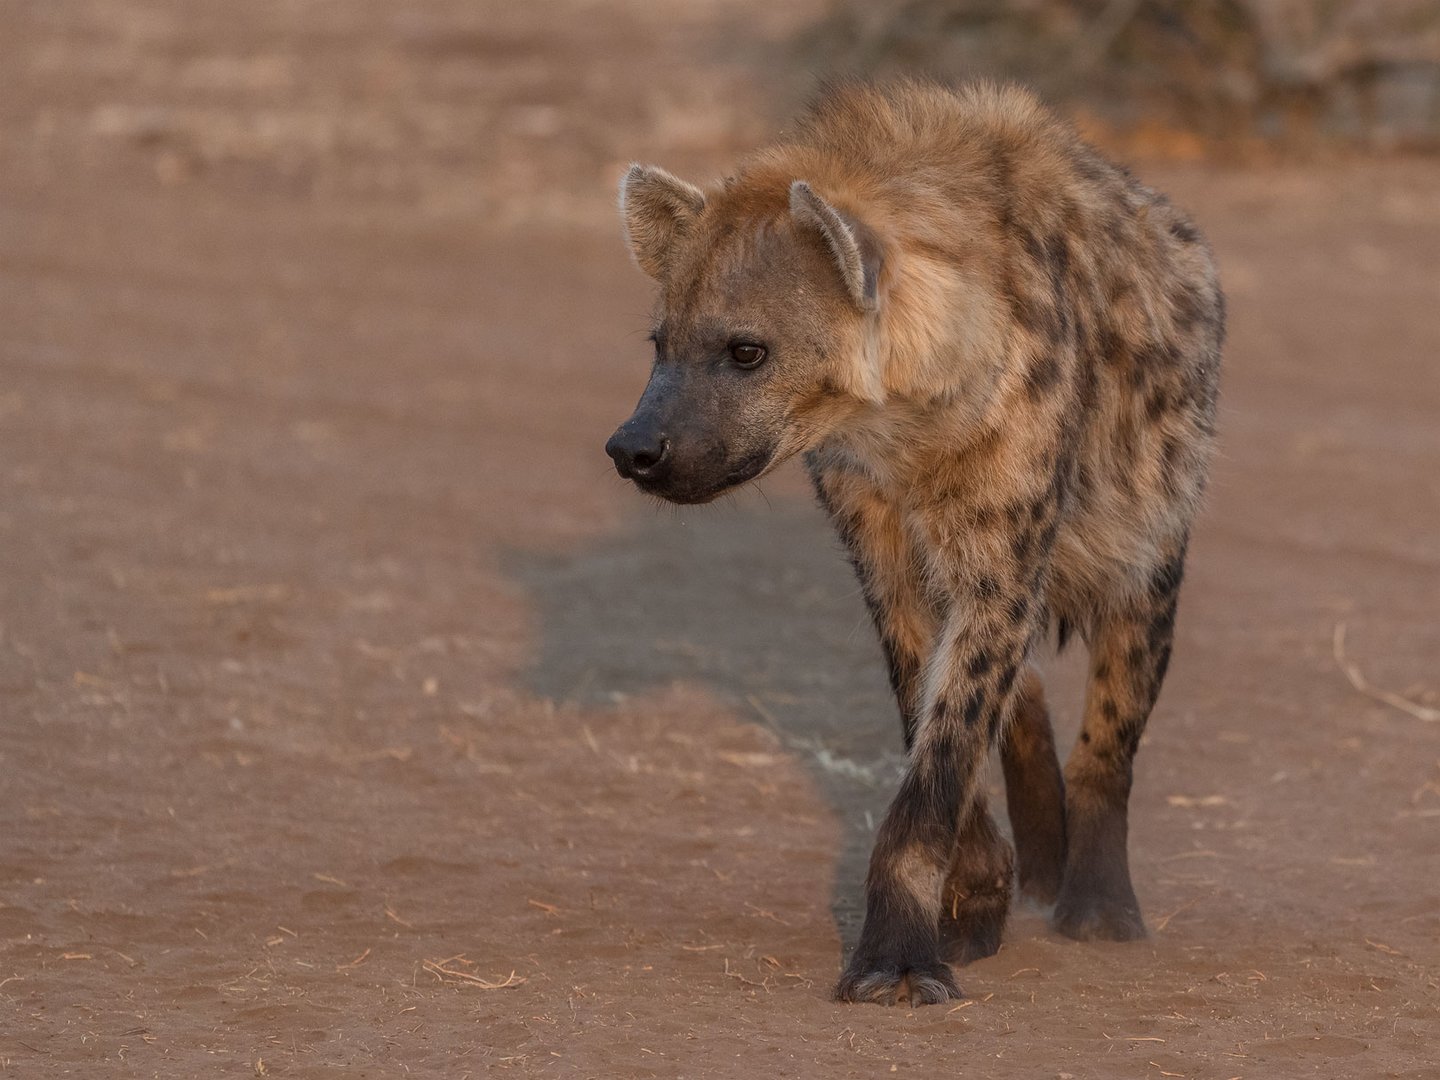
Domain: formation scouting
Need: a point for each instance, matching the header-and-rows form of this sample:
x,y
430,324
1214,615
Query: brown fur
x,y
999,354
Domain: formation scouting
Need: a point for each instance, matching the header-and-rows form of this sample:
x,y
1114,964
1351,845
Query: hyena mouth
x,y
696,490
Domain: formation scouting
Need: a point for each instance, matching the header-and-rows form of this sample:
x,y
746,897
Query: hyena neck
x,y
944,381
899,443
938,333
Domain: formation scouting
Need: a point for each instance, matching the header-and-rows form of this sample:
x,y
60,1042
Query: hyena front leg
x,y
979,883
969,682
887,566
1129,652
976,899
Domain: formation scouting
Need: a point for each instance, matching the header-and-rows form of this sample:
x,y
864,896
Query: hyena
x,y
998,353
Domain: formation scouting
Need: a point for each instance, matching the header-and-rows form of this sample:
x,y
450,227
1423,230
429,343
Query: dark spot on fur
x,y
1183,231
1189,305
973,705
1171,449
1123,437
1089,388
1038,315
1095,169
1165,582
1117,288
1018,609
1162,665
1057,258
1032,246
1157,404
1158,356
1162,628
1063,629
1082,328
1033,579
928,802
1043,376
1114,349
945,749
979,664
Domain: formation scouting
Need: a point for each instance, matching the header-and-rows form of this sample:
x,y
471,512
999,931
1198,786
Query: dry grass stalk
x,y
741,978
1164,920
390,914
439,969
354,963
1359,682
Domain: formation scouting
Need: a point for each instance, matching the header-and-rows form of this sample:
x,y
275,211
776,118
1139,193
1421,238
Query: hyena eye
x,y
746,355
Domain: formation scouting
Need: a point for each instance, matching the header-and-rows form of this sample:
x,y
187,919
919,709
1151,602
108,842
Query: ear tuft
x,y
658,209
856,271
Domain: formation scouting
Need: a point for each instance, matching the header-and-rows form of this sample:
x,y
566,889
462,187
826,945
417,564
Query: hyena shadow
x,y
756,603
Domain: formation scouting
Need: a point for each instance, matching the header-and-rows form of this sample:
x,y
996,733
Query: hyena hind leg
x,y
1034,793
979,886
1129,653
976,898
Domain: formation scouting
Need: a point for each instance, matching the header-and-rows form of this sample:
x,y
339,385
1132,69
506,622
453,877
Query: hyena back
x,y
998,354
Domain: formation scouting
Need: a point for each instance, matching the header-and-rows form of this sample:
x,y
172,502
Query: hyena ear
x,y
658,210
853,248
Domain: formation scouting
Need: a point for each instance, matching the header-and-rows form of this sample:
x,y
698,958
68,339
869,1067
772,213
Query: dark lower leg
x,y
1127,664
1097,899
898,955
976,898
1034,793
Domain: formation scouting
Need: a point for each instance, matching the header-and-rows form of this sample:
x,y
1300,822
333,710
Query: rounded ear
x,y
854,250
657,209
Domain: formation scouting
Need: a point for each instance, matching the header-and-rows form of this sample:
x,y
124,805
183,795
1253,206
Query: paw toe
x,y
925,984
932,987
1099,922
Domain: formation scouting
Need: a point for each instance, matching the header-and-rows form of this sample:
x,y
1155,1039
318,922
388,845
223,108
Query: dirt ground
x,y
356,717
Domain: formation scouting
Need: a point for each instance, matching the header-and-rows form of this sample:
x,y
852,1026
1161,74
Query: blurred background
x,y
1164,76
354,715
521,112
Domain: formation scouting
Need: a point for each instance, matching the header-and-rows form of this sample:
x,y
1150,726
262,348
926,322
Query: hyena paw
x,y
1040,876
1086,916
971,925
886,982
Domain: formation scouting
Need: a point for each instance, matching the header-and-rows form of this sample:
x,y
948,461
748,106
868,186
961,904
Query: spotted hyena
x,y
998,353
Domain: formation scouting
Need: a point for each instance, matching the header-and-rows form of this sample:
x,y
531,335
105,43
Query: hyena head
x,y
765,290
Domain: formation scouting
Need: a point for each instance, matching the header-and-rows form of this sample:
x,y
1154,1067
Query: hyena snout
x,y
684,459
640,451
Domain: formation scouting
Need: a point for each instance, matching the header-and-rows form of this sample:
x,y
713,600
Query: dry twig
x,y
440,971
1359,682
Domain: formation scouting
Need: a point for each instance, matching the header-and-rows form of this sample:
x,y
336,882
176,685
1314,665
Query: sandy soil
x,y
355,717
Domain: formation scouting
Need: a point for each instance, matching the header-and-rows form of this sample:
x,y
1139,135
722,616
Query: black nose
x,y
639,454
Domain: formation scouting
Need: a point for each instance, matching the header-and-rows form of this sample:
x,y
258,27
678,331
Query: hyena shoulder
x,y
1040,294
